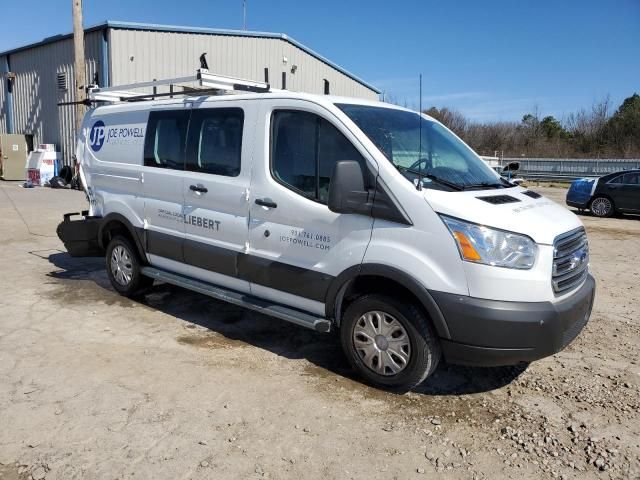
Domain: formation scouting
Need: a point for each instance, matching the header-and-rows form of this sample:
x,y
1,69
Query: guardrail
x,y
570,169
550,177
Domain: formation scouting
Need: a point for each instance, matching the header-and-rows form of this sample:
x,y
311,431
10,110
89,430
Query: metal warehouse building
x,y
36,77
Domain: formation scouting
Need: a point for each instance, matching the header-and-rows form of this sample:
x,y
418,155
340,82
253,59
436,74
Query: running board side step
x,y
253,303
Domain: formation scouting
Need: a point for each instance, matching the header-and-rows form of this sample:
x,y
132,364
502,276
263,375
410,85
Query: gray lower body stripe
x,y
212,258
287,278
163,245
281,276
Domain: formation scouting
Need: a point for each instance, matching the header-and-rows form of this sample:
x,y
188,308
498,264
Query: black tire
x,y
127,280
424,347
603,208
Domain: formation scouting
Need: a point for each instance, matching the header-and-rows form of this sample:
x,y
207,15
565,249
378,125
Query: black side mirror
x,y
346,190
512,167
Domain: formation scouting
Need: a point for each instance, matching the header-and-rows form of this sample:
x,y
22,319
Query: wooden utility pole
x,y
244,14
78,65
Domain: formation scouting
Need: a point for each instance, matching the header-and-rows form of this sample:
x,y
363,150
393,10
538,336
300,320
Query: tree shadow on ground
x,y
237,324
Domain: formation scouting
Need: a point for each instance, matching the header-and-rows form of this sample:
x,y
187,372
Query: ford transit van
x,y
333,213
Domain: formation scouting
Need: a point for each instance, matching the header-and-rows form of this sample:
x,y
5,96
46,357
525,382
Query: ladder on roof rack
x,y
211,84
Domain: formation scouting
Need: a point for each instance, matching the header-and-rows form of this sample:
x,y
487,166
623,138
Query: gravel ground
x,y
178,386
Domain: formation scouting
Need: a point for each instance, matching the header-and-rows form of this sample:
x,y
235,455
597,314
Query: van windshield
x,y
418,147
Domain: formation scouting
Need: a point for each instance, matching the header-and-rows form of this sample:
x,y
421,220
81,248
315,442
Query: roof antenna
x,y
203,61
419,185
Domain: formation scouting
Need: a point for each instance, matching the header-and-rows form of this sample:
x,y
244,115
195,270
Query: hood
x,y
507,209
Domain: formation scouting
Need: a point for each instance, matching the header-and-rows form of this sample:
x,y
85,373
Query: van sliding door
x,y
216,186
163,184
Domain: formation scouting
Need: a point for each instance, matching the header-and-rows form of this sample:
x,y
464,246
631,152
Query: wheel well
x,y
604,195
114,228
376,284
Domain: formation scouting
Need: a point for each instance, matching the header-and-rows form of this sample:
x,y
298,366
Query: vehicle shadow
x,y
236,324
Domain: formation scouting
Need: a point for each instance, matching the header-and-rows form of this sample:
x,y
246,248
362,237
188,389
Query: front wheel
x,y
389,342
123,267
602,207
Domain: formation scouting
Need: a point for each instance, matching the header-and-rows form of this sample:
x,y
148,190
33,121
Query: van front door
x,y
297,246
216,188
163,172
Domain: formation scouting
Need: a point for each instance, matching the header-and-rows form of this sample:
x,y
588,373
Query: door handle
x,y
266,202
198,188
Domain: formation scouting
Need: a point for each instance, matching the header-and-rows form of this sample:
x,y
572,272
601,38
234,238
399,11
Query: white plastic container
x,y
42,164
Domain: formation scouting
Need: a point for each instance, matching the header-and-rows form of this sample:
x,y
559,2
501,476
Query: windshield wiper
x,y
483,185
431,177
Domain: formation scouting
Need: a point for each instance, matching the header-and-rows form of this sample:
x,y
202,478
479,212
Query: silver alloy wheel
x,y
601,206
121,267
382,343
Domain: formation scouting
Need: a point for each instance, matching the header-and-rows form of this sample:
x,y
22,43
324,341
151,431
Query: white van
x,y
333,213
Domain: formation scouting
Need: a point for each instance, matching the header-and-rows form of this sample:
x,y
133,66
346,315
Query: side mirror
x,y
512,167
346,190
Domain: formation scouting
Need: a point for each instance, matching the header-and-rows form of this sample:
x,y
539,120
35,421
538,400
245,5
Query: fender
x,y
136,233
341,282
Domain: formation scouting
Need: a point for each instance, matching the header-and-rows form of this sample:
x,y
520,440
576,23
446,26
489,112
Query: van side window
x,y
215,141
165,139
304,150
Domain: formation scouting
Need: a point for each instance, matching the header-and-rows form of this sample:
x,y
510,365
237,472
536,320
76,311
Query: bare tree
x,y
453,119
594,132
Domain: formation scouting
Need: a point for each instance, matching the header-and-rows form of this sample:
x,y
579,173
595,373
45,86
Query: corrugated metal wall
x,y
138,56
36,93
141,55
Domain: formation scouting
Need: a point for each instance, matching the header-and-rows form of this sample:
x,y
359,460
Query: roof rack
x,y
211,84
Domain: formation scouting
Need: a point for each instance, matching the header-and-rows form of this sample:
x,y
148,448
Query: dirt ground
x,y
178,386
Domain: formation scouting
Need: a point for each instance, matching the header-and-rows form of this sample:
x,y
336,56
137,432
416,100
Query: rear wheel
x,y
389,342
123,267
602,207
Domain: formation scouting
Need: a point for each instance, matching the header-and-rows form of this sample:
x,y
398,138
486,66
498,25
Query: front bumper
x,y
491,333
575,204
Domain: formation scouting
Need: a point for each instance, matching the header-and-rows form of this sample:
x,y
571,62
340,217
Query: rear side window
x,y
304,150
165,139
617,179
215,141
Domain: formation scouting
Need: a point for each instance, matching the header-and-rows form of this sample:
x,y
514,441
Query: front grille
x,y
570,260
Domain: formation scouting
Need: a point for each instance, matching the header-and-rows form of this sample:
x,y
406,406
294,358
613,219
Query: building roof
x,y
197,30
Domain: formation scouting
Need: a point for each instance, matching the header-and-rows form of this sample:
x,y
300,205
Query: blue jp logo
x,y
96,136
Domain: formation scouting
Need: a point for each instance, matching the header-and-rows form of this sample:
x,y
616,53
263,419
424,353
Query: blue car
x,y
614,193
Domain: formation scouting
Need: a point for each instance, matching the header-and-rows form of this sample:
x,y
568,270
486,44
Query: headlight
x,y
480,244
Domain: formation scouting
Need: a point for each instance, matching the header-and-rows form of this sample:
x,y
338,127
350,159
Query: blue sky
x,y
492,60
